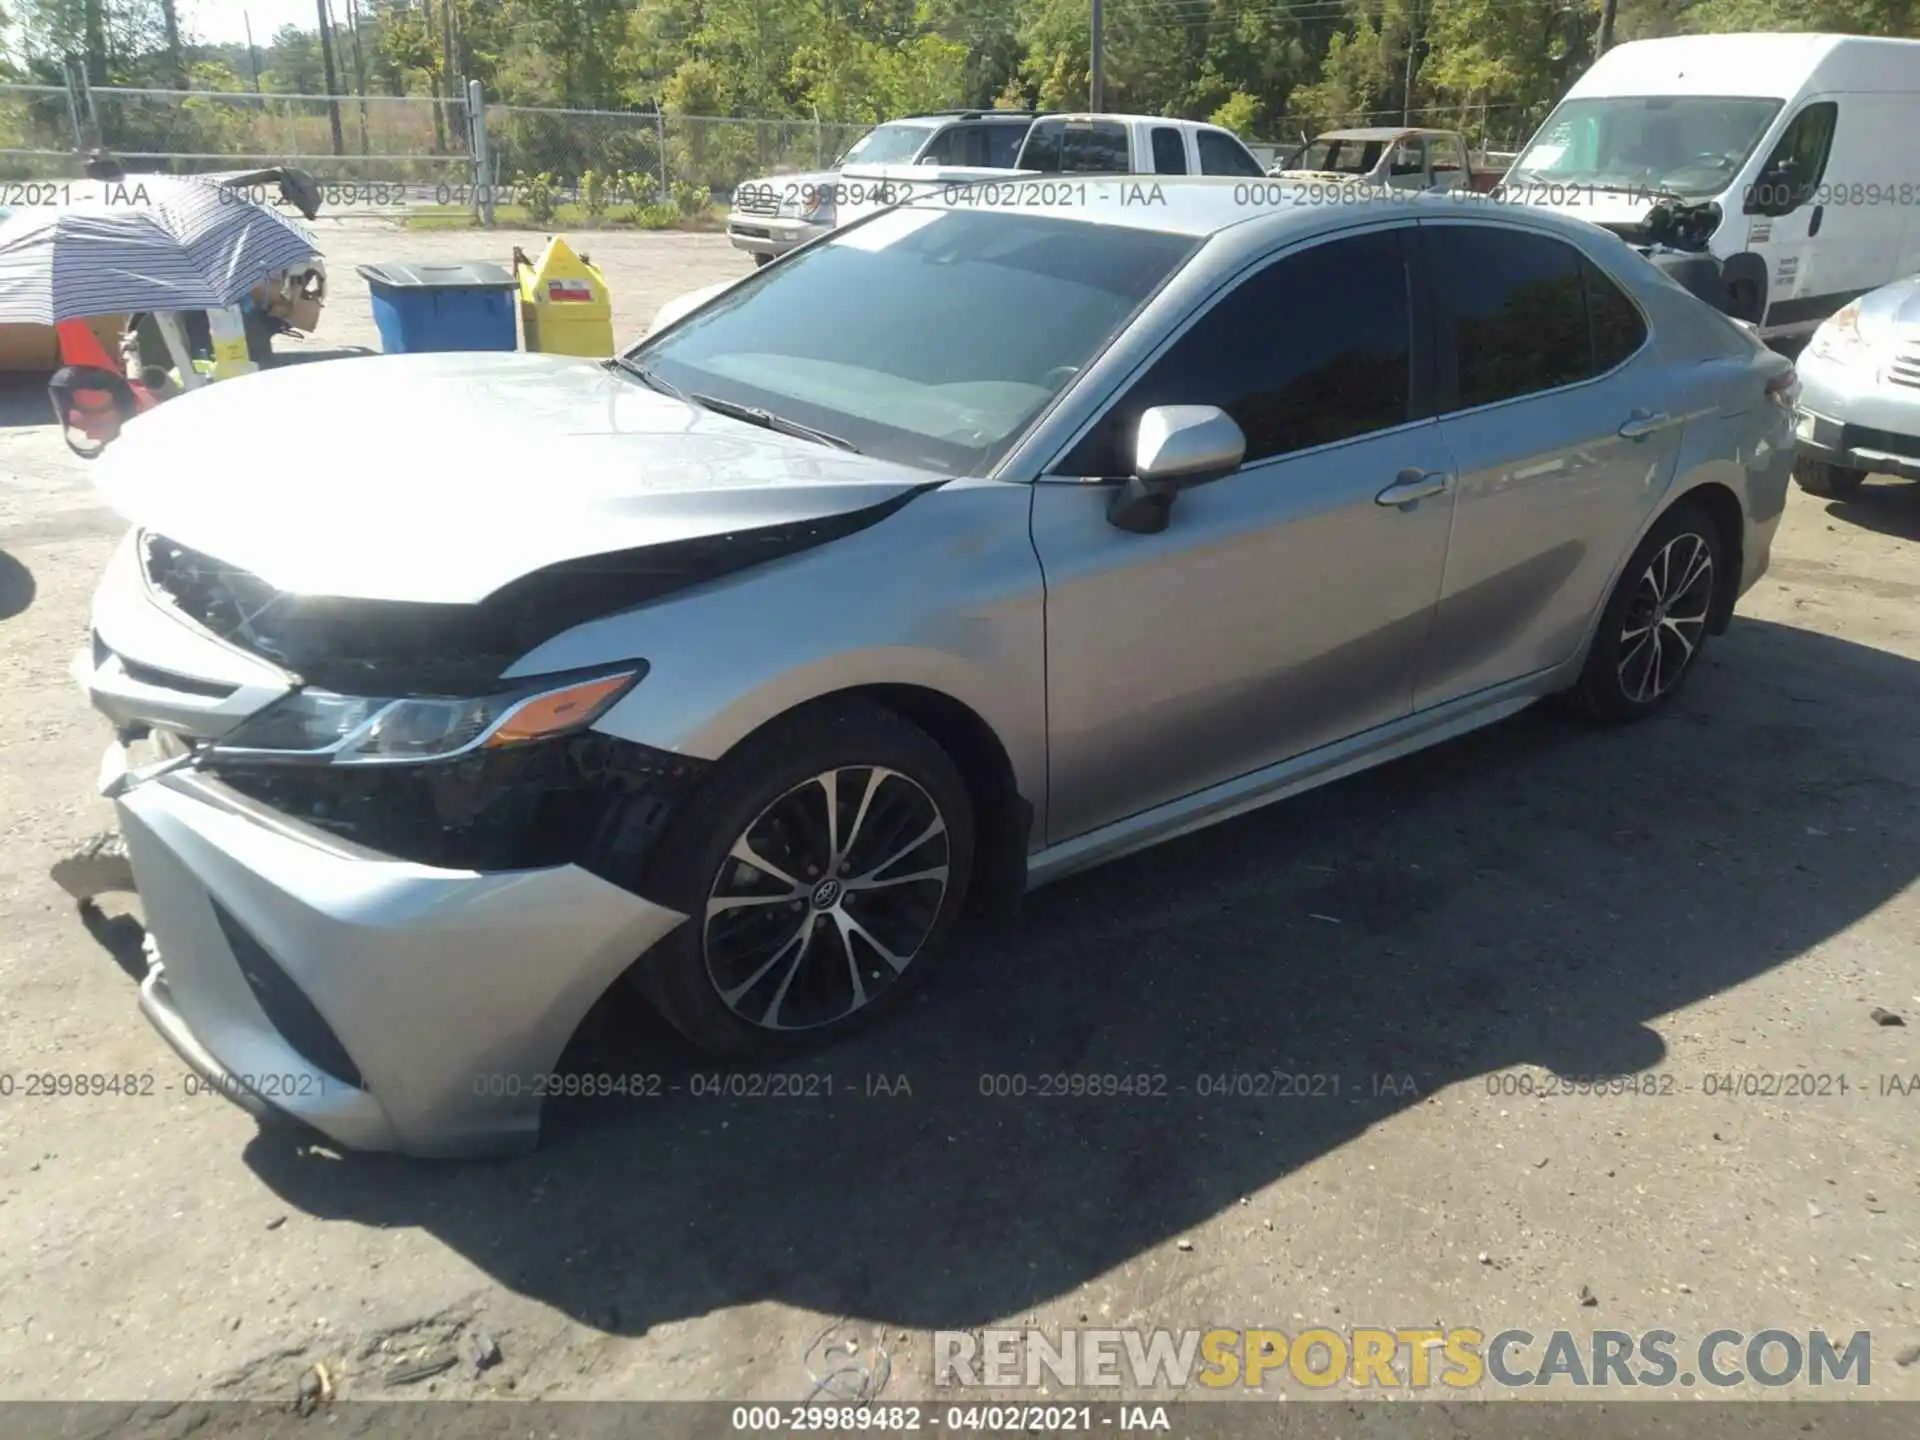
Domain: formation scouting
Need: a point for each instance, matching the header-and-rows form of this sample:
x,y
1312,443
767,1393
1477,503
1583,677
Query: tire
x,y
1830,482
725,979
1661,600
762,260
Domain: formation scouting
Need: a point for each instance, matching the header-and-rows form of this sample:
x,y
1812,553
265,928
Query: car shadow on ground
x,y
1887,507
1534,894
17,587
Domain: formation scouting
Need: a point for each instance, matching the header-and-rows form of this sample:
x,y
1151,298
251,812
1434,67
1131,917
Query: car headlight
x,y
318,726
813,203
1839,338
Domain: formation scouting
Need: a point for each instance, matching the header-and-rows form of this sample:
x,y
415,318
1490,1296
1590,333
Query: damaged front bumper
x,y
386,1004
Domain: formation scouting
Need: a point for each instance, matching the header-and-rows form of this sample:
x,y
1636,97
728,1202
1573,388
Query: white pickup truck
x,y
772,216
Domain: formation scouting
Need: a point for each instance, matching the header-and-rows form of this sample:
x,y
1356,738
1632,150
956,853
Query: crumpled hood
x,y
440,478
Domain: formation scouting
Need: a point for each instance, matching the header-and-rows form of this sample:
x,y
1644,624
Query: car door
x,y
1284,605
1407,164
1859,242
1788,211
1447,163
1562,423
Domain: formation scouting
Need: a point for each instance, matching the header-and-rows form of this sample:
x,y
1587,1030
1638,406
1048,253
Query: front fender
x,y
946,595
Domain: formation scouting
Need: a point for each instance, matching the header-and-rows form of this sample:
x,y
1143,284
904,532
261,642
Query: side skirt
x,y
1296,776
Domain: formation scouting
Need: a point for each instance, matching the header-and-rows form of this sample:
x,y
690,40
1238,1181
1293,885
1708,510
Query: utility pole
x,y
1607,9
1097,92
1406,85
253,55
333,84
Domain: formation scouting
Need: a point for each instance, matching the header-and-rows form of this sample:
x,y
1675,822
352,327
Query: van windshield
x,y
1691,146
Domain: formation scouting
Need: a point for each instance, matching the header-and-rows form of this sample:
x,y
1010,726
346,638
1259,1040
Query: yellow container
x,y
564,308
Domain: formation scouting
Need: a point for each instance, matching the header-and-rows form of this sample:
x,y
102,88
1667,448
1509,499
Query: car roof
x,y
1091,115
1371,132
1206,205
1768,65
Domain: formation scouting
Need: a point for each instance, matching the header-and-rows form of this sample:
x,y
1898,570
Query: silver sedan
x,y
971,546
1859,410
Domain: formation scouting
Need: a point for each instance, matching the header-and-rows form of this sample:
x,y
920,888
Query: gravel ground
x,y
1729,889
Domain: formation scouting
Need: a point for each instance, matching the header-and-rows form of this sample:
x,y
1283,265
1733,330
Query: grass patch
x,y
568,217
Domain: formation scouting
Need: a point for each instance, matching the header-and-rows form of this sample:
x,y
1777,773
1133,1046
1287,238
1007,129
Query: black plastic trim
x,y
591,799
1811,307
285,1004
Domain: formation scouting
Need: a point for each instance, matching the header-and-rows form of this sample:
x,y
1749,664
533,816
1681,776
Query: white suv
x,y
771,216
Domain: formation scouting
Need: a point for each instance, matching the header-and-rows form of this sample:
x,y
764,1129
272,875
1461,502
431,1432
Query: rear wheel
x,y
1818,477
821,868
1656,619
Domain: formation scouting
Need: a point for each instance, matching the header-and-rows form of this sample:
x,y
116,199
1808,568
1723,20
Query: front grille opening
x,y
285,1004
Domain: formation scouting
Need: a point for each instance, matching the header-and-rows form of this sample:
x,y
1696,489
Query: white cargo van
x,y
1804,143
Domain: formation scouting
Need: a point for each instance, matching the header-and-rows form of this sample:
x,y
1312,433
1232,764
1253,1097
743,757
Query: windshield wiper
x,y
650,378
767,420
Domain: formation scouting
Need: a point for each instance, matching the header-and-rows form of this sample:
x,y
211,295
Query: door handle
x,y
1411,485
1813,220
1641,424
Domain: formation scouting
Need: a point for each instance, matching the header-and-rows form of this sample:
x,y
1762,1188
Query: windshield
x,y
1342,157
1688,145
928,337
894,144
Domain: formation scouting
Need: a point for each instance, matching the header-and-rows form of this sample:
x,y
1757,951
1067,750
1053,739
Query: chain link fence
x,y
408,152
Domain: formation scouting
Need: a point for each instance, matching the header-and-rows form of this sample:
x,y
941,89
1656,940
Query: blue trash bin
x,y
422,307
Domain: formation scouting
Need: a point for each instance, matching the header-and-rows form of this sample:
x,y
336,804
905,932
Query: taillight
x,y
1784,389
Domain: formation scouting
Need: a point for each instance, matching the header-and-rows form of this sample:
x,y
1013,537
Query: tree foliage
x,y
1266,68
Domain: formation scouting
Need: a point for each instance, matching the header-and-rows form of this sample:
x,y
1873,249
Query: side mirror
x,y
1178,447
1776,192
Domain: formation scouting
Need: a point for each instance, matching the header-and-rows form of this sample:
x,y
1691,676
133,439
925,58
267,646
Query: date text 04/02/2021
x,y
1011,1419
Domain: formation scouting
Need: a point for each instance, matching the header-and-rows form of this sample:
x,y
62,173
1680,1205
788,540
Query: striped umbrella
x,y
152,242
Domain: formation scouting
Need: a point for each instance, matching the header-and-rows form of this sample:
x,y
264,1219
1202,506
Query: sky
x,y
224,21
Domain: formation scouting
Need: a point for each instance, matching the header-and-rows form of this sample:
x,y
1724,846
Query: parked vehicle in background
x,y
1088,144
1035,541
771,216
1394,157
1797,147
1859,410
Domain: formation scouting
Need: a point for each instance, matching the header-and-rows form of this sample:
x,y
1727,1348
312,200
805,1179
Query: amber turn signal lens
x,y
558,710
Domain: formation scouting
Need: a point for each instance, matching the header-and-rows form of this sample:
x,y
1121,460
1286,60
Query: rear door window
x,y
1078,147
1221,154
1169,151
1513,311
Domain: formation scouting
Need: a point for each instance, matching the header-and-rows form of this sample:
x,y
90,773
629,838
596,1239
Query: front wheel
x,y
821,868
1830,482
760,260
1655,622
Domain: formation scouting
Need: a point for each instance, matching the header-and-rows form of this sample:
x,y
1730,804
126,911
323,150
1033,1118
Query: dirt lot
x,y
1728,890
